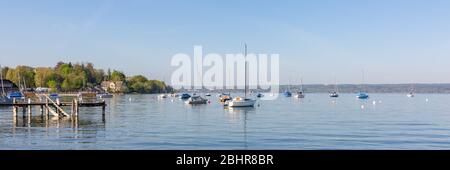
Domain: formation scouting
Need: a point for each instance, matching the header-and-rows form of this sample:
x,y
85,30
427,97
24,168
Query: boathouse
x,y
8,85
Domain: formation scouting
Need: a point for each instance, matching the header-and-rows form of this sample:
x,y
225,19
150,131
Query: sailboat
x,y
411,93
362,94
300,94
287,92
243,101
3,98
335,92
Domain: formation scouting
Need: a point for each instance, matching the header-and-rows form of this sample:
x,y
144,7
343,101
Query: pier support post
x,y
46,108
15,109
56,108
103,111
24,111
42,110
76,107
73,108
29,108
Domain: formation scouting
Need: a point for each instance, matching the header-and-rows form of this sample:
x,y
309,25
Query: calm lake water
x,y
316,122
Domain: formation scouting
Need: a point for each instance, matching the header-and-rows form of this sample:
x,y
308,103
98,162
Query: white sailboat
x,y
243,101
300,94
335,92
411,93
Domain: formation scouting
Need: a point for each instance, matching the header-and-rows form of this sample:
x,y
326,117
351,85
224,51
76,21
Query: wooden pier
x,y
53,108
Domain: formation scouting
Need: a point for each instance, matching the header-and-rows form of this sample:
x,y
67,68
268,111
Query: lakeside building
x,y
113,86
9,86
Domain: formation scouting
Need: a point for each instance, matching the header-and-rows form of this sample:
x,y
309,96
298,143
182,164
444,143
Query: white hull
x,y
242,103
299,96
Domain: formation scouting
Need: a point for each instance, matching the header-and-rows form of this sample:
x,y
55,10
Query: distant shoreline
x,y
352,88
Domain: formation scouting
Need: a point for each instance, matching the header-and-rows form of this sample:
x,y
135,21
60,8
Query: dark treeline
x,y
69,77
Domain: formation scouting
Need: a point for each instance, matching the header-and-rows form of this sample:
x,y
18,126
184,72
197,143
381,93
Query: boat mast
x,y
20,83
245,59
301,84
362,83
335,85
1,79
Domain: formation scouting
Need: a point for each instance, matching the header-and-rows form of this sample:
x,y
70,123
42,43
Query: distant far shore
x,y
353,88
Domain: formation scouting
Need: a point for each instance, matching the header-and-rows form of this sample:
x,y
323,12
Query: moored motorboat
x,y
225,97
334,94
162,96
184,96
410,94
362,95
16,95
196,100
287,93
259,95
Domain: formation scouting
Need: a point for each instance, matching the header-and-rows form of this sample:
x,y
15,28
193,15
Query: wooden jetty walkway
x,y
53,107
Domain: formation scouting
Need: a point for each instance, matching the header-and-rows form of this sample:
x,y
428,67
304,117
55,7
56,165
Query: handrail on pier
x,y
56,105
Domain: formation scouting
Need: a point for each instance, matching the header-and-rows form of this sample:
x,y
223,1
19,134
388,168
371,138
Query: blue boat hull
x,y
362,96
287,94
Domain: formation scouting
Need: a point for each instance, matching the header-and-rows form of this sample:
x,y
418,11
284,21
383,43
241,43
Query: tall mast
x,y
245,59
301,84
1,79
335,85
362,83
20,83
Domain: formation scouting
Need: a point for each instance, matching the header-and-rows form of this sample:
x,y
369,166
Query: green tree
x,y
22,75
42,76
117,76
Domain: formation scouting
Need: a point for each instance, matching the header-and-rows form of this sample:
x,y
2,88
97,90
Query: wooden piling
x,y
24,111
42,110
72,112
15,109
46,108
29,108
76,107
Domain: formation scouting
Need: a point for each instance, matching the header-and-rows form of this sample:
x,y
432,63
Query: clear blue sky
x,y
394,41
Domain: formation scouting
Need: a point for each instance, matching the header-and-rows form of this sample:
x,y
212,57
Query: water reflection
x,y
53,122
235,113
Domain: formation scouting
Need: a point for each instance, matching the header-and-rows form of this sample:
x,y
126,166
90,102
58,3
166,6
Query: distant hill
x,y
354,88
375,88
